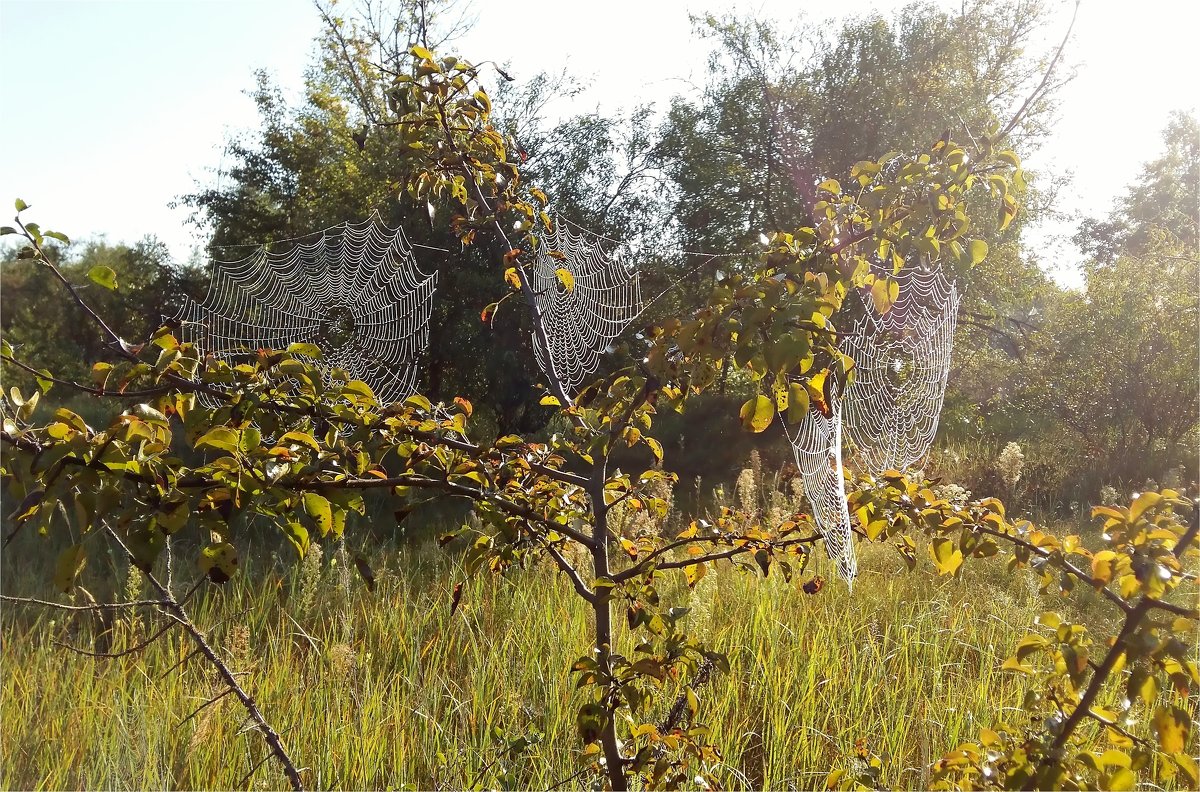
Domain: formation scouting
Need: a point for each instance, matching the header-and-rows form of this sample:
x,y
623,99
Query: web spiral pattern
x,y
902,363
579,323
817,445
355,291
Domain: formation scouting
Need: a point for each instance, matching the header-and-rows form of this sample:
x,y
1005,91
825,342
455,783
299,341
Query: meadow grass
x,y
386,690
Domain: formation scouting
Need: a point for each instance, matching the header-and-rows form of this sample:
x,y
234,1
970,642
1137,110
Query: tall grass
x,y
386,690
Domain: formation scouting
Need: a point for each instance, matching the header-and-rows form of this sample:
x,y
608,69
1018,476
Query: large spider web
x,y
354,290
578,323
891,408
902,362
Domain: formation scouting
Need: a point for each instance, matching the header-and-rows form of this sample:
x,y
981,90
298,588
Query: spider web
x,y
817,445
354,290
579,323
902,362
891,408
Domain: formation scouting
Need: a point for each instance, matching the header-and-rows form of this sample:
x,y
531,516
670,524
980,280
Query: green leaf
x,y
306,350
70,563
105,276
317,507
977,249
297,534
219,437
21,205
797,402
29,505
365,571
173,516
757,414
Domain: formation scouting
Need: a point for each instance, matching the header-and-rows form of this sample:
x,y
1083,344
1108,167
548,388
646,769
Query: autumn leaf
x,y
565,278
757,414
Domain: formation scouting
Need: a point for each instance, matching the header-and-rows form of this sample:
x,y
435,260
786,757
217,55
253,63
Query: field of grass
x,y
385,690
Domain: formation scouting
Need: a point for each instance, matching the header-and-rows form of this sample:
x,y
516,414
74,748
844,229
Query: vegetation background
x,y
1060,399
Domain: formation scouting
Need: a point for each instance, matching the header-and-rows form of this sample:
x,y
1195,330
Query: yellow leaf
x,y
946,556
1121,780
1188,765
757,414
565,278
1102,566
884,293
513,278
1143,502
694,573
1172,725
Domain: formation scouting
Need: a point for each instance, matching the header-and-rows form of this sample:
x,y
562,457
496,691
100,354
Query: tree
x,y
1160,208
43,322
1122,355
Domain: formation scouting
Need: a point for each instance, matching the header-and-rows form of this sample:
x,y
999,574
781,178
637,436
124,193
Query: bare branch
x,y
205,705
572,573
97,607
180,615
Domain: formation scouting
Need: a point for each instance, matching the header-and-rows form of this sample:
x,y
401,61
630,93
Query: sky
x,y
115,108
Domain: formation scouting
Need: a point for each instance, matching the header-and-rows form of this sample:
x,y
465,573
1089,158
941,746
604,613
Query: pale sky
x,y
114,108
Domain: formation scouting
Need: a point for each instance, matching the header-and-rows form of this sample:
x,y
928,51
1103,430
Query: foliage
x,y
1098,383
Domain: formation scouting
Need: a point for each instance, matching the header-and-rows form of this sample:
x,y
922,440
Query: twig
x,y
124,652
97,607
1037,92
1133,619
269,734
254,769
185,658
676,712
205,705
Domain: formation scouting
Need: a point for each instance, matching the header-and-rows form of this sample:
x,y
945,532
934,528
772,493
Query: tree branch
x,y
180,614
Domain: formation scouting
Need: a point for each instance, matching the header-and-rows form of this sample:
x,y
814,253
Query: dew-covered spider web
x,y
902,362
583,311
817,443
354,290
889,412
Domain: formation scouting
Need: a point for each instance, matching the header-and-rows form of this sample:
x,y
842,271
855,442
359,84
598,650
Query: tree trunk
x,y
602,608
